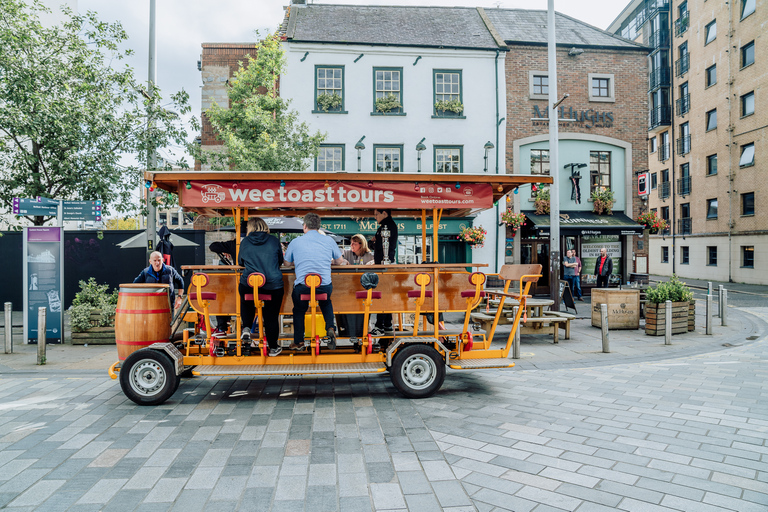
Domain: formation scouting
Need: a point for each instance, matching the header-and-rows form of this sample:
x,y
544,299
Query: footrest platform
x,y
290,369
476,364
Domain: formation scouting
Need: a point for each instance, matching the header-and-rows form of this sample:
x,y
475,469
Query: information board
x,y
43,281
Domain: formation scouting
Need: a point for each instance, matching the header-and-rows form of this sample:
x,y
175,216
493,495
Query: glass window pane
x,y
747,155
747,8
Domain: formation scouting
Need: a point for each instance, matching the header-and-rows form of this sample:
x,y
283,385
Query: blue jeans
x,y
300,307
575,283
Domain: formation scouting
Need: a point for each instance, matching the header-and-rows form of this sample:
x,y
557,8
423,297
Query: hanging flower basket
x,y
652,223
474,236
512,219
602,201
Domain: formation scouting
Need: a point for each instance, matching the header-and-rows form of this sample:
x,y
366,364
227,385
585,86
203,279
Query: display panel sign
x,y
43,278
312,194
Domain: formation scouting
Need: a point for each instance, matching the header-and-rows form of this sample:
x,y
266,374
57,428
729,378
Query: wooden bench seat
x,y
545,325
566,324
486,320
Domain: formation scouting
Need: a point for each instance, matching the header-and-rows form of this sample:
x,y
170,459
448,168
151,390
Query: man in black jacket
x,y
384,218
603,268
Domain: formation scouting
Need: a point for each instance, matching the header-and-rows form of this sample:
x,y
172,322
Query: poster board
x,y
566,295
43,251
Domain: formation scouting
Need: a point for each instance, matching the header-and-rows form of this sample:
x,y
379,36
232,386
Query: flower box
x,y
683,318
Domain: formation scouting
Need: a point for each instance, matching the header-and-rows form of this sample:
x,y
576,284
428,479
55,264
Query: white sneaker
x,y
246,335
275,351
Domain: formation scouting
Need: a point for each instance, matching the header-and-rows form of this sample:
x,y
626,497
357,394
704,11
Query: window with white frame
x,y
329,89
599,170
653,144
448,159
388,158
601,87
538,85
448,93
712,119
387,83
330,158
747,158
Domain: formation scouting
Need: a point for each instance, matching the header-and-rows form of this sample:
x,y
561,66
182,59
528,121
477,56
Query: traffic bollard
x,y
41,335
720,301
709,313
8,328
604,328
709,287
668,323
724,309
516,340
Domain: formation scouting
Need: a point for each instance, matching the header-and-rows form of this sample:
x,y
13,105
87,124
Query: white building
x,y
421,56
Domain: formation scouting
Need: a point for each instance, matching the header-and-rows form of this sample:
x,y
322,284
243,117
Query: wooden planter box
x,y
683,318
95,335
623,307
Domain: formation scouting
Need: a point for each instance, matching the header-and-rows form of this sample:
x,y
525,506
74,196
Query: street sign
x,y
82,210
22,206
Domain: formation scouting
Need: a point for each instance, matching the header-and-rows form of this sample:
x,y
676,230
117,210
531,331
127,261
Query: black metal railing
x,y
683,105
663,152
681,25
682,65
684,145
659,78
684,226
663,189
660,116
684,186
659,39
656,6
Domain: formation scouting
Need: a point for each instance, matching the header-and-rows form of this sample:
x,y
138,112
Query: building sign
x,y
312,194
43,278
589,118
404,226
643,181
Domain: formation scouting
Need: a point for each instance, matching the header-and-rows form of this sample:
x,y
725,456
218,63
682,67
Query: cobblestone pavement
x,y
679,434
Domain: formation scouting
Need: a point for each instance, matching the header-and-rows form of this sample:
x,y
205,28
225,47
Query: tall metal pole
x,y
151,157
554,166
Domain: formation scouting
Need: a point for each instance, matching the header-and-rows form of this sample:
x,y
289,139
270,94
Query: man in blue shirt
x,y
312,253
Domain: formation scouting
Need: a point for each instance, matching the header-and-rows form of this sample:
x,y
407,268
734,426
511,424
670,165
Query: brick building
x,y
603,141
706,133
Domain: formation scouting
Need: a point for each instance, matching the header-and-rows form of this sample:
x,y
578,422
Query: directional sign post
x,y
40,206
82,210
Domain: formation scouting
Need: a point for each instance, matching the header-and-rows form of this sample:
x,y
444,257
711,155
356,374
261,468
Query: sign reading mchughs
x,y
313,194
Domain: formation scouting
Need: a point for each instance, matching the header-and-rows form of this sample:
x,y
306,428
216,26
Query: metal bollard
x,y
516,340
709,313
8,328
720,301
41,335
709,287
668,323
724,308
604,328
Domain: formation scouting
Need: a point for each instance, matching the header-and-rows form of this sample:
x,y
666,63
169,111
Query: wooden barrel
x,y
143,317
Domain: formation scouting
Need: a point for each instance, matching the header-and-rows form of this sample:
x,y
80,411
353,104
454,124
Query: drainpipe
x,y
672,149
496,69
730,143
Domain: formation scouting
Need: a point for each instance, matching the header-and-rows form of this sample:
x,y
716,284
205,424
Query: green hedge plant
x,y
673,290
92,296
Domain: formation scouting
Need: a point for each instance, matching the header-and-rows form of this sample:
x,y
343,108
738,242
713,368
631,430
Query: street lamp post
x,y
359,147
554,191
419,148
488,146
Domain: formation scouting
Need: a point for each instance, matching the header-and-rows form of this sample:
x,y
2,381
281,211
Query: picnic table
x,y
535,319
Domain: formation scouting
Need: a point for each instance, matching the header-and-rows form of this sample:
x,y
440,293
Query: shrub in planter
x,y
681,297
387,104
541,201
602,201
93,296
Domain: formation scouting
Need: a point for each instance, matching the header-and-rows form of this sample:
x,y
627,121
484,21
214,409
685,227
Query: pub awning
x,y
576,223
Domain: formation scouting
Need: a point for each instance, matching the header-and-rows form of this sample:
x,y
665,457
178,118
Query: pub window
x,y
538,84
330,158
388,158
684,255
448,159
665,254
601,87
712,256
539,164
599,170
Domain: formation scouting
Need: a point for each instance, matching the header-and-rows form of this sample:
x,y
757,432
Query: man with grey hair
x,y
312,253
603,268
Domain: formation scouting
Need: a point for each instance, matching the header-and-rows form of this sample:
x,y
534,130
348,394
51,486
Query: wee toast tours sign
x,y
353,194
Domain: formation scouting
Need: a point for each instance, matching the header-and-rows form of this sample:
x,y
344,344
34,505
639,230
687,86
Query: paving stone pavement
x,y
678,431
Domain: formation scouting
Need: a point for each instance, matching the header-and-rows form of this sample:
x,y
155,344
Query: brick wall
x,y
630,109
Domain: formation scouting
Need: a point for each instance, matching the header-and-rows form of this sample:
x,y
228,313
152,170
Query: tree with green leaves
x,y
70,114
258,129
